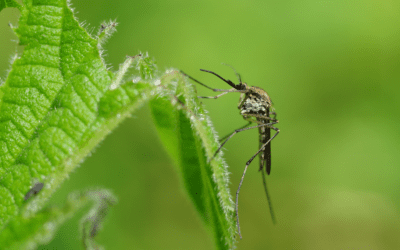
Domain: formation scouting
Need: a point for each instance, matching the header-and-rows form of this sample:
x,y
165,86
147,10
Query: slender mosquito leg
x,y
274,114
213,97
271,209
237,131
223,138
228,90
264,117
197,81
202,84
245,169
215,90
237,200
221,90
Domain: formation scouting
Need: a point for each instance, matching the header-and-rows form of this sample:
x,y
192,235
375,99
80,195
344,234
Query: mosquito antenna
x,y
227,81
271,209
237,74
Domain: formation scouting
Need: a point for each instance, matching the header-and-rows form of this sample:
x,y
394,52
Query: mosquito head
x,y
241,86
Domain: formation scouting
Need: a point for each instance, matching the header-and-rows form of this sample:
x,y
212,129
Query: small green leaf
x,y
105,31
9,3
146,67
92,222
188,136
28,232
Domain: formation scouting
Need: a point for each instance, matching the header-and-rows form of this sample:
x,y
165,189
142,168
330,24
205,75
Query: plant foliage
x,y
60,100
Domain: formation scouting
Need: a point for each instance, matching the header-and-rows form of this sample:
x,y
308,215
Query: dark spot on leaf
x,y
34,190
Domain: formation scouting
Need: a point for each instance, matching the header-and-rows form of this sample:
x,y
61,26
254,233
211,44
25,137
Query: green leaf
x,y
50,99
190,139
8,3
50,95
56,105
59,101
28,232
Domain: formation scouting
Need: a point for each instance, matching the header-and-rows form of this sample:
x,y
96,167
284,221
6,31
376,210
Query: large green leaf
x,y
190,139
59,101
56,105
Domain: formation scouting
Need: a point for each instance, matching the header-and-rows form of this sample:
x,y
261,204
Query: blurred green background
x,y
332,69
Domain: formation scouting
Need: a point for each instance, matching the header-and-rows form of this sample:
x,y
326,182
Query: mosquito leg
x,y
220,90
271,209
235,132
264,117
269,125
223,138
274,114
265,144
213,97
237,198
215,90
196,80
228,90
202,84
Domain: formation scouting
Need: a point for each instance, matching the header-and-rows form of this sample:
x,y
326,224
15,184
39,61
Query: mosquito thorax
x,y
256,102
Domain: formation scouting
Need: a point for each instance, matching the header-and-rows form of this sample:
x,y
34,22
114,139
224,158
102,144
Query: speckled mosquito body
x,y
255,106
34,190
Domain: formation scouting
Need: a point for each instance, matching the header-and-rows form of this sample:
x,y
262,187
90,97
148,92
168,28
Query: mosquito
x,y
255,106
